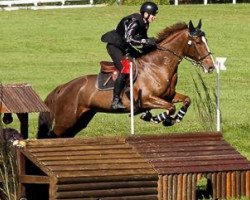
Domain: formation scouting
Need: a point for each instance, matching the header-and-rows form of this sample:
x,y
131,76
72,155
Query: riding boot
x,y
119,85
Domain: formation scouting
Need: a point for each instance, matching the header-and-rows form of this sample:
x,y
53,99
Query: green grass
x,y
48,47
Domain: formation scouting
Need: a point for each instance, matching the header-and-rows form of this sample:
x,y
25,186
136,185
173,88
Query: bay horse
x,y
72,105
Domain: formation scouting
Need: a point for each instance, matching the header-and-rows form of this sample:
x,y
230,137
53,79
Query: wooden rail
x,y
35,2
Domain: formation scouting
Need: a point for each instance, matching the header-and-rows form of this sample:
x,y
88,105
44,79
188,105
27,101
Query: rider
x,y
129,38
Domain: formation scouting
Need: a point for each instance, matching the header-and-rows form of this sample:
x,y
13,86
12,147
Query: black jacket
x,y
129,32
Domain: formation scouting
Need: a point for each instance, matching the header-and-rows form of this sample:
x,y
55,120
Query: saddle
x,y
107,75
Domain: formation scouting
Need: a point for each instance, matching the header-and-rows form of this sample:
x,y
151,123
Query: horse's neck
x,y
176,43
169,55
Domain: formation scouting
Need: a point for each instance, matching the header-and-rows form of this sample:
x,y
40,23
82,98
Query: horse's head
x,y
197,48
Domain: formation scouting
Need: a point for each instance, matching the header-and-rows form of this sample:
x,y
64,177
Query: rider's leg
x,y
118,87
117,54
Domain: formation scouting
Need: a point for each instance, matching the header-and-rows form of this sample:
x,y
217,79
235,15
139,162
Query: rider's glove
x,y
149,41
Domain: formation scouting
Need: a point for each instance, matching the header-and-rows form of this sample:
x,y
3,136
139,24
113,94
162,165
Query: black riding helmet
x,y
149,7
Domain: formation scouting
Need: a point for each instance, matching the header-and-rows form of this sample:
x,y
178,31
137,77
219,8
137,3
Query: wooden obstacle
x,y
84,169
142,167
20,99
182,160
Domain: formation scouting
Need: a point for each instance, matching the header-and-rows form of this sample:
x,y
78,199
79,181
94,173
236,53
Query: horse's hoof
x,y
147,116
155,120
169,121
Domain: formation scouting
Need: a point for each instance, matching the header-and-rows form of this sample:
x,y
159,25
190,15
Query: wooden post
x,y
24,124
21,192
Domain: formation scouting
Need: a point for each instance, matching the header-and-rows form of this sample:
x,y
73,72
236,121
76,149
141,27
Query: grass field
x,y
48,47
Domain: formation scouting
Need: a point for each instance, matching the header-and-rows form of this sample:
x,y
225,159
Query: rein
x,y
194,62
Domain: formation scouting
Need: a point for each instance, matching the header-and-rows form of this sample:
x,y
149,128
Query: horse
x,y
73,104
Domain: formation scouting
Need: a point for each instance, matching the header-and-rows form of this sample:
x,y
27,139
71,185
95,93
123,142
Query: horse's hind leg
x,y
80,124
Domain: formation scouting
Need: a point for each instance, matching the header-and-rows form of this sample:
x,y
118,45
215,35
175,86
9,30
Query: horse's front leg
x,y
166,117
186,103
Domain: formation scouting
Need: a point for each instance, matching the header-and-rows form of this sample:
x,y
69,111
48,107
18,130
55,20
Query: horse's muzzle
x,y
208,69
211,69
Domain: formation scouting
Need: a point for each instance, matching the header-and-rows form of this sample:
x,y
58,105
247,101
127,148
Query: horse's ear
x,y
199,24
191,27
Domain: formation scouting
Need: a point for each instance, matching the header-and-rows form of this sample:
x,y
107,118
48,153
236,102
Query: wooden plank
x,y
102,173
21,171
214,185
181,148
229,185
79,148
98,167
189,187
203,169
61,142
67,162
138,197
136,177
194,183
107,193
82,152
160,188
198,136
165,187
200,163
34,179
105,185
233,179
179,186
248,184
188,154
175,186
242,183
170,187
89,157
164,144
223,186
52,188
184,187
235,156
218,185
238,185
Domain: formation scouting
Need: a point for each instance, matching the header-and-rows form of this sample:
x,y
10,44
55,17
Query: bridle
x,y
194,62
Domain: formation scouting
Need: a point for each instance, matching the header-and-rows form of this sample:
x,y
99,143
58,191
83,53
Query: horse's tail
x,y
44,125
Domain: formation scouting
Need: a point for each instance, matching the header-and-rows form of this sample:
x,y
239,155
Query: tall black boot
x,y
119,85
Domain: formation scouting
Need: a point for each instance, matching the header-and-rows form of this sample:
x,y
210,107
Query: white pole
x,y
219,66
234,1
218,100
205,2
176,2
131,99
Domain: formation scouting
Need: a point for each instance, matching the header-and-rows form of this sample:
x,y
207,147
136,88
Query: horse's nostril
x,y
210,68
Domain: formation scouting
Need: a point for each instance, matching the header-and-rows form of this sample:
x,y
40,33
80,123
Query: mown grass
x,y
48,47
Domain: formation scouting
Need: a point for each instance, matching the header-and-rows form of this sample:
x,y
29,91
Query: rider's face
x,y
150,18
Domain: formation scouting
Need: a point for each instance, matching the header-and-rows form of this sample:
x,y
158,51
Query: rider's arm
x,y
132,33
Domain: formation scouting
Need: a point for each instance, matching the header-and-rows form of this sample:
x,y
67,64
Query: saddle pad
x,y
105,81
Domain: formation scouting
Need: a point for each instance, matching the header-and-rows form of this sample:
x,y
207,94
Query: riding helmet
x,y
149,7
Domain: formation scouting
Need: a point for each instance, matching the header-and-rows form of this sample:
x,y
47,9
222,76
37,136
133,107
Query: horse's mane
x,y
170,30
164,34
